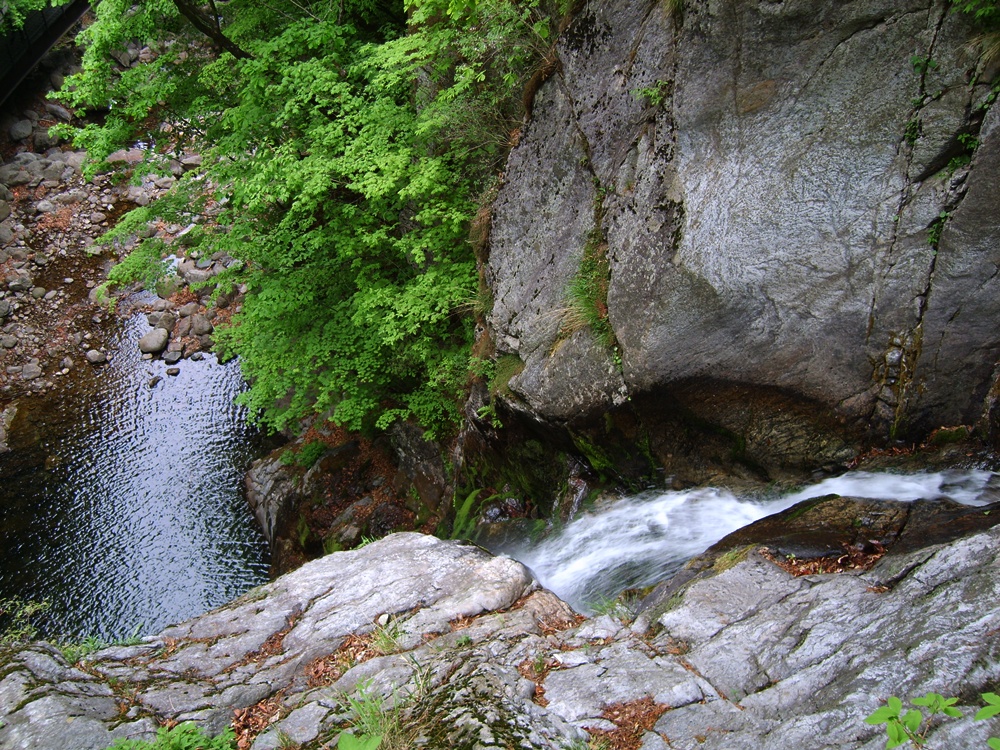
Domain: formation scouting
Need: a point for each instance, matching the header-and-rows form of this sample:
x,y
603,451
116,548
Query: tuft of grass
x,y
389,719
385,639
506,367
186,736
587,296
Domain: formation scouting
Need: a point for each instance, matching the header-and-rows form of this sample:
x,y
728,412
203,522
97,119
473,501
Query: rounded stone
x,y
20,130
96,357
155,341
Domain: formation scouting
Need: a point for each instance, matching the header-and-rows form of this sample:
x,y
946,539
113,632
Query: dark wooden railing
x,y
21,50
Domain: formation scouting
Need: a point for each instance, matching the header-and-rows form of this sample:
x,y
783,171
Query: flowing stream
x,y
124,506
639,541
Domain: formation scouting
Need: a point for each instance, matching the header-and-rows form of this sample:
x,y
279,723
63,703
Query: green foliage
x,y
587,295
936,228
15,11
308,454
18,619
74,652
350,143
991,709
349,741
922,64
145,265
912,132
984,12
903,726
654,95
505,368
374,717
465,518
186,736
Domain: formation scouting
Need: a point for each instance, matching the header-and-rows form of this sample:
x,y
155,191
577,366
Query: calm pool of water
x,y
123,504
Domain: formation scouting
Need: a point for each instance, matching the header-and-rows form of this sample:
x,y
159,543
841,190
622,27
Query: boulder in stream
x,y
155,341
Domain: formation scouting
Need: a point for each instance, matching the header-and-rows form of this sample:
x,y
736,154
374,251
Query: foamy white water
x,y
639,541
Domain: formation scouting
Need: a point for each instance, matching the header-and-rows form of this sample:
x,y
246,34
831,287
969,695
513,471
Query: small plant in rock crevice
x,y
911,726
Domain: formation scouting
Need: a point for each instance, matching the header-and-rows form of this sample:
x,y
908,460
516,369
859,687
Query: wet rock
x,y
272,492
172,358
126,156
19,281
96,357
31,371
155,341
200,326
173,371
59,111
166,321
20,130
751,658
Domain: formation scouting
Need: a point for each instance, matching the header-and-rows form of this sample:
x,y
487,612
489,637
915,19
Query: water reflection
x,y
139,519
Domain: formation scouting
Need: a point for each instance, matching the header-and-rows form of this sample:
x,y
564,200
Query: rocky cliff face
x,y
473,655
795,194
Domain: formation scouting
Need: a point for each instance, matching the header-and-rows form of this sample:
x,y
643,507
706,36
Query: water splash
x,y
639,541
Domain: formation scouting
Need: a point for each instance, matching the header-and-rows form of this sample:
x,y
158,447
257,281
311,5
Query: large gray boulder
x,y
782,194
478,656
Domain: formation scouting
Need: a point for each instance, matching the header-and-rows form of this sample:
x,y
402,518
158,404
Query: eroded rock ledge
x,y
749,658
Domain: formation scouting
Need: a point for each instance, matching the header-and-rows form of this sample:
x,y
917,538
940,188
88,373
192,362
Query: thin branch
x,y
223,42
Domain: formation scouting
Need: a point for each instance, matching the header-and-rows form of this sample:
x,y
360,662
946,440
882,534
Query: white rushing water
x,y
639,541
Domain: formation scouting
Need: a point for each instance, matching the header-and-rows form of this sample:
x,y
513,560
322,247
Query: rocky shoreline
x,y
52,324
469,651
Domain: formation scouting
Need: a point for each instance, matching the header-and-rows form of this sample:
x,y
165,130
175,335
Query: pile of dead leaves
x,y
632,720
854,557
251,721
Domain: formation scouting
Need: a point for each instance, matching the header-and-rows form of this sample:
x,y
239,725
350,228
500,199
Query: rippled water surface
x,y
128,511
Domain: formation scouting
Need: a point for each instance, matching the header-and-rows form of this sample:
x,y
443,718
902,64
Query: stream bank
x,y
120,474
468,651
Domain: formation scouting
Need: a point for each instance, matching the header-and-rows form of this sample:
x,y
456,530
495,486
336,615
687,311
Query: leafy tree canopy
x,y
348,142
